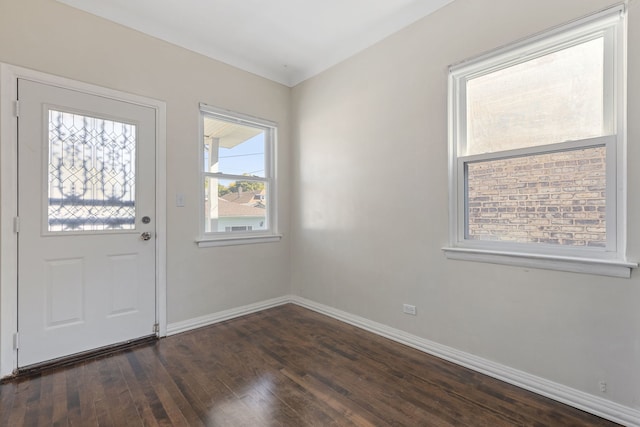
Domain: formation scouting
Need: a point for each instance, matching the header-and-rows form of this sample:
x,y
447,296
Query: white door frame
x,y
9,74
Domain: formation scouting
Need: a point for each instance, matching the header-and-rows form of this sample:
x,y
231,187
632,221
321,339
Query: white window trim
x,y
214,239
609,261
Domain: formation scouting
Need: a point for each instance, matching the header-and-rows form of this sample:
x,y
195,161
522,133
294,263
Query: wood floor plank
x,y
285,366
17,412
100,378
309,407
74,383
7,397
197,374
176,405
32,410
146,402
59,396
349,411
45,401
120,405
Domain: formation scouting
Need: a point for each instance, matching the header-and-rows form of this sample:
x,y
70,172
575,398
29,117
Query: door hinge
x,y
16,224
156,328
16,108
16,341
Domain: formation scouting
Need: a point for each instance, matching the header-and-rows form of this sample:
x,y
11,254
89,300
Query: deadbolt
x,y
146,220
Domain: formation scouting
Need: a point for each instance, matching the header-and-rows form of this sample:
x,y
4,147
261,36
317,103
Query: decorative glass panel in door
x,y
91,184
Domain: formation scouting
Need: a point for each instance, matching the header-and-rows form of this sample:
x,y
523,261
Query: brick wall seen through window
x,y
554,198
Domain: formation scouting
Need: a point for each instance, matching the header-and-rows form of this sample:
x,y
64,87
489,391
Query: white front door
x,y
86,208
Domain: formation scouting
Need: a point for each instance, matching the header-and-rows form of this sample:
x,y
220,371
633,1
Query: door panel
x,y
86,171
125,284
64,292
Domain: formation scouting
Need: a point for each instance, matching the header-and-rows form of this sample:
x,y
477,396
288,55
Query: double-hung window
x,y
537,151
238,178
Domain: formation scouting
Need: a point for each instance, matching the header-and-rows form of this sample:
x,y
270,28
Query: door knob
x,y
145,236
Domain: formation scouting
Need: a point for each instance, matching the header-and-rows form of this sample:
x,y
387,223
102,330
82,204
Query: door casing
x,y
9,75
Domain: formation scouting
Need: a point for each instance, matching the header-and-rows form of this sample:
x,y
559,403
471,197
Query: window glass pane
x,y
554,98
235,205
233,149
553,198
91,180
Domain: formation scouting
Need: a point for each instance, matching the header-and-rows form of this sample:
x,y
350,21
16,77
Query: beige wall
x,y
48,36
370,209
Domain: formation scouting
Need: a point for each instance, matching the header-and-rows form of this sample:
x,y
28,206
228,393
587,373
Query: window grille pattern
x,y
91,173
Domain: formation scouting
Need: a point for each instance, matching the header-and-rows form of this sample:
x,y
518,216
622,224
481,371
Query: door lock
x,y
145,236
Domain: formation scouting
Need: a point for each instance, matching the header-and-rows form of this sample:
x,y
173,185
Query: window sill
x,y
613,268
237,240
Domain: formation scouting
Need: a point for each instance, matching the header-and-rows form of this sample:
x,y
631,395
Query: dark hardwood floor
x,y
286,366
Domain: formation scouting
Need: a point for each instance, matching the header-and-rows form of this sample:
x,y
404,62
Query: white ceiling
x,y
287,41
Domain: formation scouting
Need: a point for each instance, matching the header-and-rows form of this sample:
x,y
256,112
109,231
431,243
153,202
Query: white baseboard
x,y
578,399
221,316
589,403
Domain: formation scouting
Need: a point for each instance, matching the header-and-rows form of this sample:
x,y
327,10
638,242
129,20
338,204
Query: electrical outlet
x,y
409,309
603,386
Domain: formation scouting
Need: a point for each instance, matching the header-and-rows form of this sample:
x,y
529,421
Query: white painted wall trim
x,y
9,196
161,218
221,316
8,210
561,393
